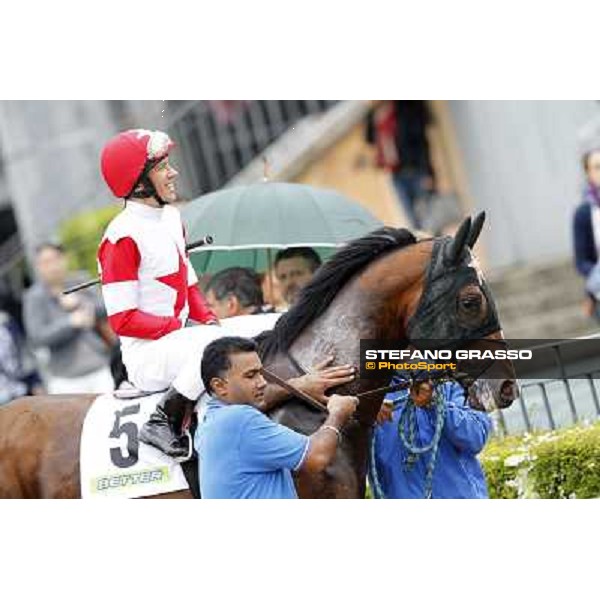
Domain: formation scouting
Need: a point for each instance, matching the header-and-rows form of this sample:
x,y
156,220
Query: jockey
x,y
149,285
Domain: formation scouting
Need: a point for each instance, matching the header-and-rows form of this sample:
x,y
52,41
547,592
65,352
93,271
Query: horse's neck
x,y
338,331
375,305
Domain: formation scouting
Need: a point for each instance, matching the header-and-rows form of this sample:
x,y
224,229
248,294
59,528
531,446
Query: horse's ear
x,y
456,246
476,229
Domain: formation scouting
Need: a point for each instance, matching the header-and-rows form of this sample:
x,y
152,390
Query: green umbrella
x,y
250,223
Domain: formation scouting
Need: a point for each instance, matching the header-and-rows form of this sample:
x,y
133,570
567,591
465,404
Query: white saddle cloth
x,y
113,462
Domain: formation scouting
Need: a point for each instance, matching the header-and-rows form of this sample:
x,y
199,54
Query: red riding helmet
x,y
128,157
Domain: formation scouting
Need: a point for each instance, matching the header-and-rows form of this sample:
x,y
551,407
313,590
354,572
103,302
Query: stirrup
x,y
190,453
182,459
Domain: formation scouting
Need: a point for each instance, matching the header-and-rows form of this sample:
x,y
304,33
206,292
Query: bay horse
x,y
385,285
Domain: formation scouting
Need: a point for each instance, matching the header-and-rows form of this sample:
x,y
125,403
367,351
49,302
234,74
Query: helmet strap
x,y
147,190
143,189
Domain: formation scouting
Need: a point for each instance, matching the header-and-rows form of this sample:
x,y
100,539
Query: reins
x,y
407,431
312,402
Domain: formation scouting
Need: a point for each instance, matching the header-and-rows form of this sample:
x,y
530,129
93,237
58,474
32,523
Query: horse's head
x,y
385,285
456,309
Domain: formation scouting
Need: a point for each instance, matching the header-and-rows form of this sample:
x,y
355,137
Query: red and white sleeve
x,y
119,265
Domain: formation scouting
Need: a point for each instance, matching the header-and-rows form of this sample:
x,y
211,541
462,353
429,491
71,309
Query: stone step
x,y
541,302
510,281
566,322
538,299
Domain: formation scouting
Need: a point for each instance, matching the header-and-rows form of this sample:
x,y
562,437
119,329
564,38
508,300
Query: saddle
x,y
128,391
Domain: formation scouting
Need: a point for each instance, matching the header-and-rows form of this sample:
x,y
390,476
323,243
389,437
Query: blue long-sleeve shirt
x,y
457,472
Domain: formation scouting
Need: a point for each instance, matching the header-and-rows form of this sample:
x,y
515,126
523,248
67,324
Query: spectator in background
x,y
17,375
294,268
69,327
271,289
234,292
457,472
398,129
11,304
586,232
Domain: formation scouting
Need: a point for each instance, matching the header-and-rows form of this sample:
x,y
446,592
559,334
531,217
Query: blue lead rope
x,y
407,430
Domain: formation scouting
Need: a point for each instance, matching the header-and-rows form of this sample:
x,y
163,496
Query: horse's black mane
x,y
316,296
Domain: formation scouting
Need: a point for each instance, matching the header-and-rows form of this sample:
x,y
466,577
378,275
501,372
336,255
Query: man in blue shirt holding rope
x,y
426,444
243,453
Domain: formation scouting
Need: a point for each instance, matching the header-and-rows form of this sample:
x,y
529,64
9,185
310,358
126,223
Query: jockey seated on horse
x,y
150,289
148,284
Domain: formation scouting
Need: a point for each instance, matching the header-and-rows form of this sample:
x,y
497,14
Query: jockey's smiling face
x,y
243,382
163,177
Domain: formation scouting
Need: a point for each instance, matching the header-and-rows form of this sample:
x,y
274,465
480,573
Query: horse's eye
x,y
471,303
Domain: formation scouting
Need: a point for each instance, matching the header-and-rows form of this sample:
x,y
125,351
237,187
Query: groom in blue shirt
x,y
243,454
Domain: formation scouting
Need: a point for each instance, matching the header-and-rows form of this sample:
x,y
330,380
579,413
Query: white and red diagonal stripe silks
x,y
148,284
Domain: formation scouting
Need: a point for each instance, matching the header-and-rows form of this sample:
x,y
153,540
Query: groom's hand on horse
x,y
323,377
315,383
342,406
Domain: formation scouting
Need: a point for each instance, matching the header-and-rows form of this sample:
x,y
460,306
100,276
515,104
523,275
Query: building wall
x,y
522,165
50,155
518,160
347,166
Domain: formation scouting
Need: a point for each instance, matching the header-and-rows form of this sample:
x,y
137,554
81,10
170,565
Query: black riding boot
x,y
163,429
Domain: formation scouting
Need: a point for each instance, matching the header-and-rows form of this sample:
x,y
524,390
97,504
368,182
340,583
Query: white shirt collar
x,y
144,211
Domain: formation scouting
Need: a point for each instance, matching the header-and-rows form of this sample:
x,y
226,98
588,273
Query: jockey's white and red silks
x,y
148,283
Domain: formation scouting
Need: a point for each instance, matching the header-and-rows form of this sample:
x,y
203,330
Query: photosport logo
x,y
531,359
409,360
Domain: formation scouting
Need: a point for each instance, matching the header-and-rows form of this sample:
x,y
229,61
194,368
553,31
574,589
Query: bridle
x,y
465,380
450,267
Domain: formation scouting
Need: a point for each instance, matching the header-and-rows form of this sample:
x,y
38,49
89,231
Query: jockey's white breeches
x,y
174,359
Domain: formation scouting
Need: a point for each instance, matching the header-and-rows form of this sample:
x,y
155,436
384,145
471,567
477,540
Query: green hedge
x,y
556,464
81,235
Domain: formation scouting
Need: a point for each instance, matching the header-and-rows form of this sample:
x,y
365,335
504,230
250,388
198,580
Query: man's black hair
x,y
215,360
242,283
308,254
